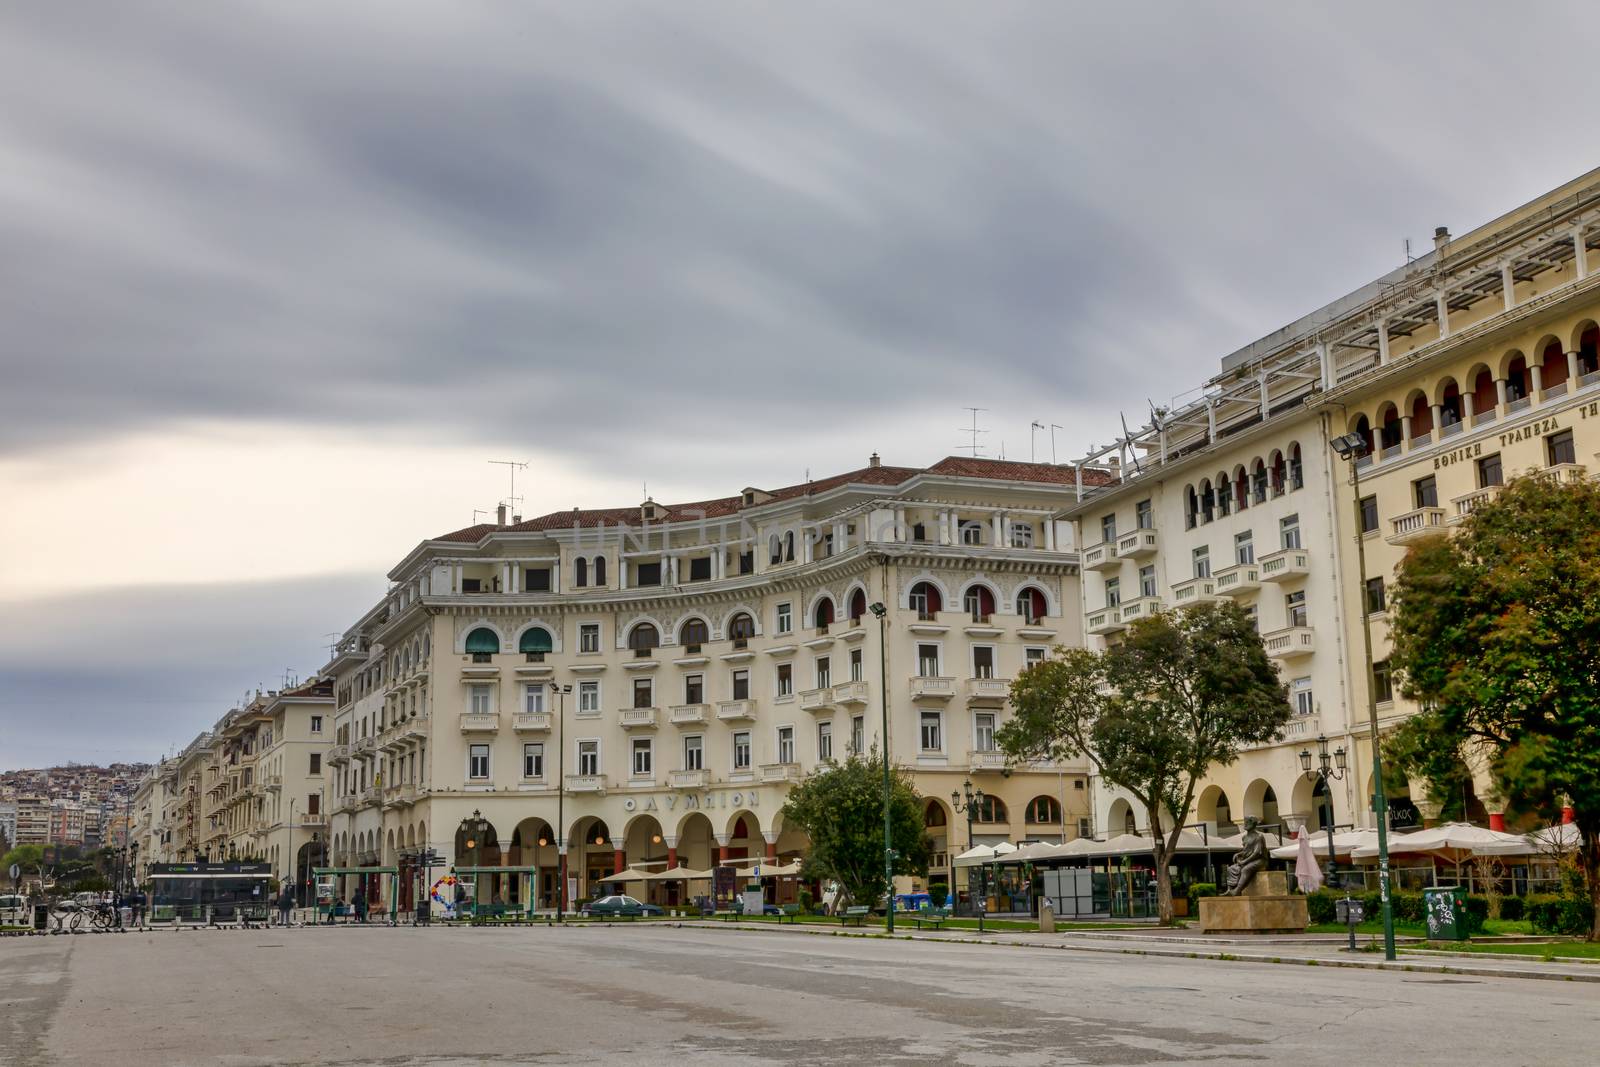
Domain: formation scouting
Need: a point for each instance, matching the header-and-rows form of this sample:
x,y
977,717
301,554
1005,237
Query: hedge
x,y
1512,908
1558,915
1198,890
1408,908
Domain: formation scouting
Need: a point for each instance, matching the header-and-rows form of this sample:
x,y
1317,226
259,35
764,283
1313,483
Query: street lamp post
x,y
1351,447
1330,768
970,800
882,615
477,828
560,692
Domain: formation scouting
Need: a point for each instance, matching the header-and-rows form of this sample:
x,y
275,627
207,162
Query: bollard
x,y
1047,916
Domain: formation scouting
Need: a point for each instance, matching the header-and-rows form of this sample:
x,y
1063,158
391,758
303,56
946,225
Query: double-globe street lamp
x,y
560,693
1351,448
1330,768
474,828
881,613
970,801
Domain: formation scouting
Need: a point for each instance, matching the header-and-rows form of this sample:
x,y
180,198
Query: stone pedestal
x,y
1267,907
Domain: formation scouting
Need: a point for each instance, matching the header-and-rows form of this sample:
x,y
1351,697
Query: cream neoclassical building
x,y
643,685
1468,365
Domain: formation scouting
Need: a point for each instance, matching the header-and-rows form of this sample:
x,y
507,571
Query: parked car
x,y
620,905
766,909
14,910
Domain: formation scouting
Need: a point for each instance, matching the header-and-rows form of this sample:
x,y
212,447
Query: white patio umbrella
x,y
679,873
1563,837
1453,840
1345,843
1306,871
975,855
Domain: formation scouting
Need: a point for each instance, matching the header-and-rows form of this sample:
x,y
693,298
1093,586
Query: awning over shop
x,y
769,870
677,874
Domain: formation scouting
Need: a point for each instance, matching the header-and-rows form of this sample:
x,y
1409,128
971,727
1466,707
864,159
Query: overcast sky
x,y
277,285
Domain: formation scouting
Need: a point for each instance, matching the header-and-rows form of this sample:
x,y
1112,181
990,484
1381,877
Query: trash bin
x,y
41,916
1447,913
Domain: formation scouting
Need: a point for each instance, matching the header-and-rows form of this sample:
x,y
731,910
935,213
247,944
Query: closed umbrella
x,y
1306,871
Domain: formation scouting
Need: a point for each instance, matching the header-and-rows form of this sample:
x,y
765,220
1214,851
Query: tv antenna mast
x,y
974,431
512,467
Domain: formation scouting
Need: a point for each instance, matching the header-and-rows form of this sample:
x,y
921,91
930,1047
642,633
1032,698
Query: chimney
x,y
874,461
500,514
516,520
1441,239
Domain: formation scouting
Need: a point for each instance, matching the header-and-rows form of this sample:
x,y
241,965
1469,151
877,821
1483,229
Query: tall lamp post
x,y
970,800
477,828
560,692
1330,768
882,615
1351,447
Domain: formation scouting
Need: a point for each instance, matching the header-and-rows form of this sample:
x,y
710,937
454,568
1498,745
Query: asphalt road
x,y
651,994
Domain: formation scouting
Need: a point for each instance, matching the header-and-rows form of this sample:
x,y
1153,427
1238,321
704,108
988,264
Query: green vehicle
x,y
620,905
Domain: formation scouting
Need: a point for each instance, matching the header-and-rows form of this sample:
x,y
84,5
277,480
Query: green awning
x,y
483,639
536,639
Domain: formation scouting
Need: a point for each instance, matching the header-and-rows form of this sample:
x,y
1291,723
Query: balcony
x,y
1138,545
1566,473
586,783
364,746
851,693
368,797
1102,622
1466,505
817,700
531,722
1404,529
1194,591
314,822
273,782
475,722
925,687
415,729
1291,642
1139,608
736,710
988,690
1238,580
688,779
689,714
639,718
1101,557
1285,565
780,772
987,761
339,754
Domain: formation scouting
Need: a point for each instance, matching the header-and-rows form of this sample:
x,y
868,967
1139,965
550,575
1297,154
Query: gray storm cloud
x,y
631,229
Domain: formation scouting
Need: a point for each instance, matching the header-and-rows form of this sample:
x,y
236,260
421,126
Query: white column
x,y
1443,302
622,571
1572,371
455,579
1536,379
1466,409
1405,432
900,524
1050,534
947,528
1508,282
998,521
672,570
1500,392
1266,403
1324,361
1211,416
1383,340
1580,256
1437,411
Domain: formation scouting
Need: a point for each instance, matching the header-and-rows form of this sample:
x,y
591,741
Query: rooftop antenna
x,y
1054,426
974,431
480,511
1034,425
1408,250
333,642
512,467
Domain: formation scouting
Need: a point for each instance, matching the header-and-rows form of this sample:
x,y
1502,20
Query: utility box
x,y
1349,911
1447,913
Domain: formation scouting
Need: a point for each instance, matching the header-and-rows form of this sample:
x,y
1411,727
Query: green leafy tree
x,y
28,857
1154,713
841,810
1497,635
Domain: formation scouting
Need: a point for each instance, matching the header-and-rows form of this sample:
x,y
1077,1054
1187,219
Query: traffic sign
x,y
16,871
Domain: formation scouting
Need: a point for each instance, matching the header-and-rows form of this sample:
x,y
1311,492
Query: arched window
x,y
1044,809
1589,351
1297,468
644,637
741,627
1031,605
1518,380
1224,494
1280,474
775,549
1258,482
788,546
534,643
925,600
993,809
1208,501
482,643
978,603
599,570
858,605
1191,507
694,633
580,573
1553,366
934,816
823,617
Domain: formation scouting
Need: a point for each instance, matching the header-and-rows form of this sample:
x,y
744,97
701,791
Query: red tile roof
x,y
720,507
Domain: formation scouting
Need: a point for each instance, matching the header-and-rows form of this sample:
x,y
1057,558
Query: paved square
x,y
650,994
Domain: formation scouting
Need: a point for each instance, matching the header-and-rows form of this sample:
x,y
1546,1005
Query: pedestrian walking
x,y
139,902
285,905
361,907
333,907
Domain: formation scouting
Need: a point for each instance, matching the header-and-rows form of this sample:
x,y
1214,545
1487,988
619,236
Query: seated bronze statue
x,y
1248,861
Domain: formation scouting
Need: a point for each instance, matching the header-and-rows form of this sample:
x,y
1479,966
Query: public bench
x,y
934,918
789,913
857,915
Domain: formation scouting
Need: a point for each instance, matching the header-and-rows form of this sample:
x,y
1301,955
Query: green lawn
x,y
1561,949
1492,927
